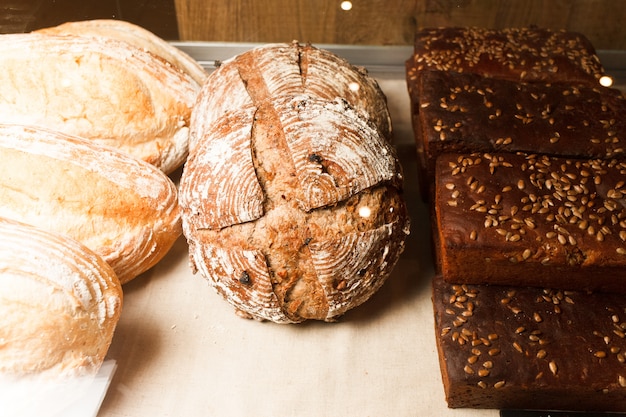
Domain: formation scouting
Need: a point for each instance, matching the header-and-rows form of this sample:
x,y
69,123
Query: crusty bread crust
x,y
531,220
135,35
517,348
122,208
285,160
101,89
60,303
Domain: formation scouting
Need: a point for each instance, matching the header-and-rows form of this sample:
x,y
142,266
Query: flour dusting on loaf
x,y
134,35
103,89
122,208
60,303
292,193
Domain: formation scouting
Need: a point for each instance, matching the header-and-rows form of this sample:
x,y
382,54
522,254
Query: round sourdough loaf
x,y
135,35
59,302
122,208
101,89
291,195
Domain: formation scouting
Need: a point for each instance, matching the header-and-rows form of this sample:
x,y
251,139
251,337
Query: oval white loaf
x,y
59,302
101,89
135,35
291,194
122,208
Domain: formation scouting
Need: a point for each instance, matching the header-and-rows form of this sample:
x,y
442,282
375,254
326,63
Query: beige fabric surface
x,y
182,351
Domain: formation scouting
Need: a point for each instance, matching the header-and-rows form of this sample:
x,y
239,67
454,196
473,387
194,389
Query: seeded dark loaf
x,y
470,113
515,54
531,220
522,348
518,54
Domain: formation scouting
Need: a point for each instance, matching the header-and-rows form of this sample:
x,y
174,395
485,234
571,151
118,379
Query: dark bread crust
x,y
531,55
518,54
521,347
508,227
532,220
471,113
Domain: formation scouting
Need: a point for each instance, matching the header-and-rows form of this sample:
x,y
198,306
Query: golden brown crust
x,y
135,35
277,181
98,88
122,208
60,303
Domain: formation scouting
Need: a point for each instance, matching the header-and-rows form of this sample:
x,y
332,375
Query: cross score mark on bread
x,y
275,180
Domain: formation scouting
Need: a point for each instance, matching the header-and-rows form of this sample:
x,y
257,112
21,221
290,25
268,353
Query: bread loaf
x,y
59,302
521,156
531,220
303,68
135,35
525,348
122,208
101,89
291,195
471,113
529,55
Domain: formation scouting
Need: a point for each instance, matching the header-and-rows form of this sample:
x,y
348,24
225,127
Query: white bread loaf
x,y
122,208
291,194
98,88
59,302
135,35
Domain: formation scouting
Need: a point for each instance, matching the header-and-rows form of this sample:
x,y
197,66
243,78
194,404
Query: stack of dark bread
x,y
521,157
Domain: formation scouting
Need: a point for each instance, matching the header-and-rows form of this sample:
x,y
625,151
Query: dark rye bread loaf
x,y
531,220
516,54
522,348
470,113
520,54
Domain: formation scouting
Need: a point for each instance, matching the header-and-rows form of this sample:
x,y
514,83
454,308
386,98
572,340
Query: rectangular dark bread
x,y
527,54
471,113
515,54
531,220
530,348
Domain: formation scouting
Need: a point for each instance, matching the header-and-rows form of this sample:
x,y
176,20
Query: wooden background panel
x,y
369,22
602,21
158,16
319,21
390,22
